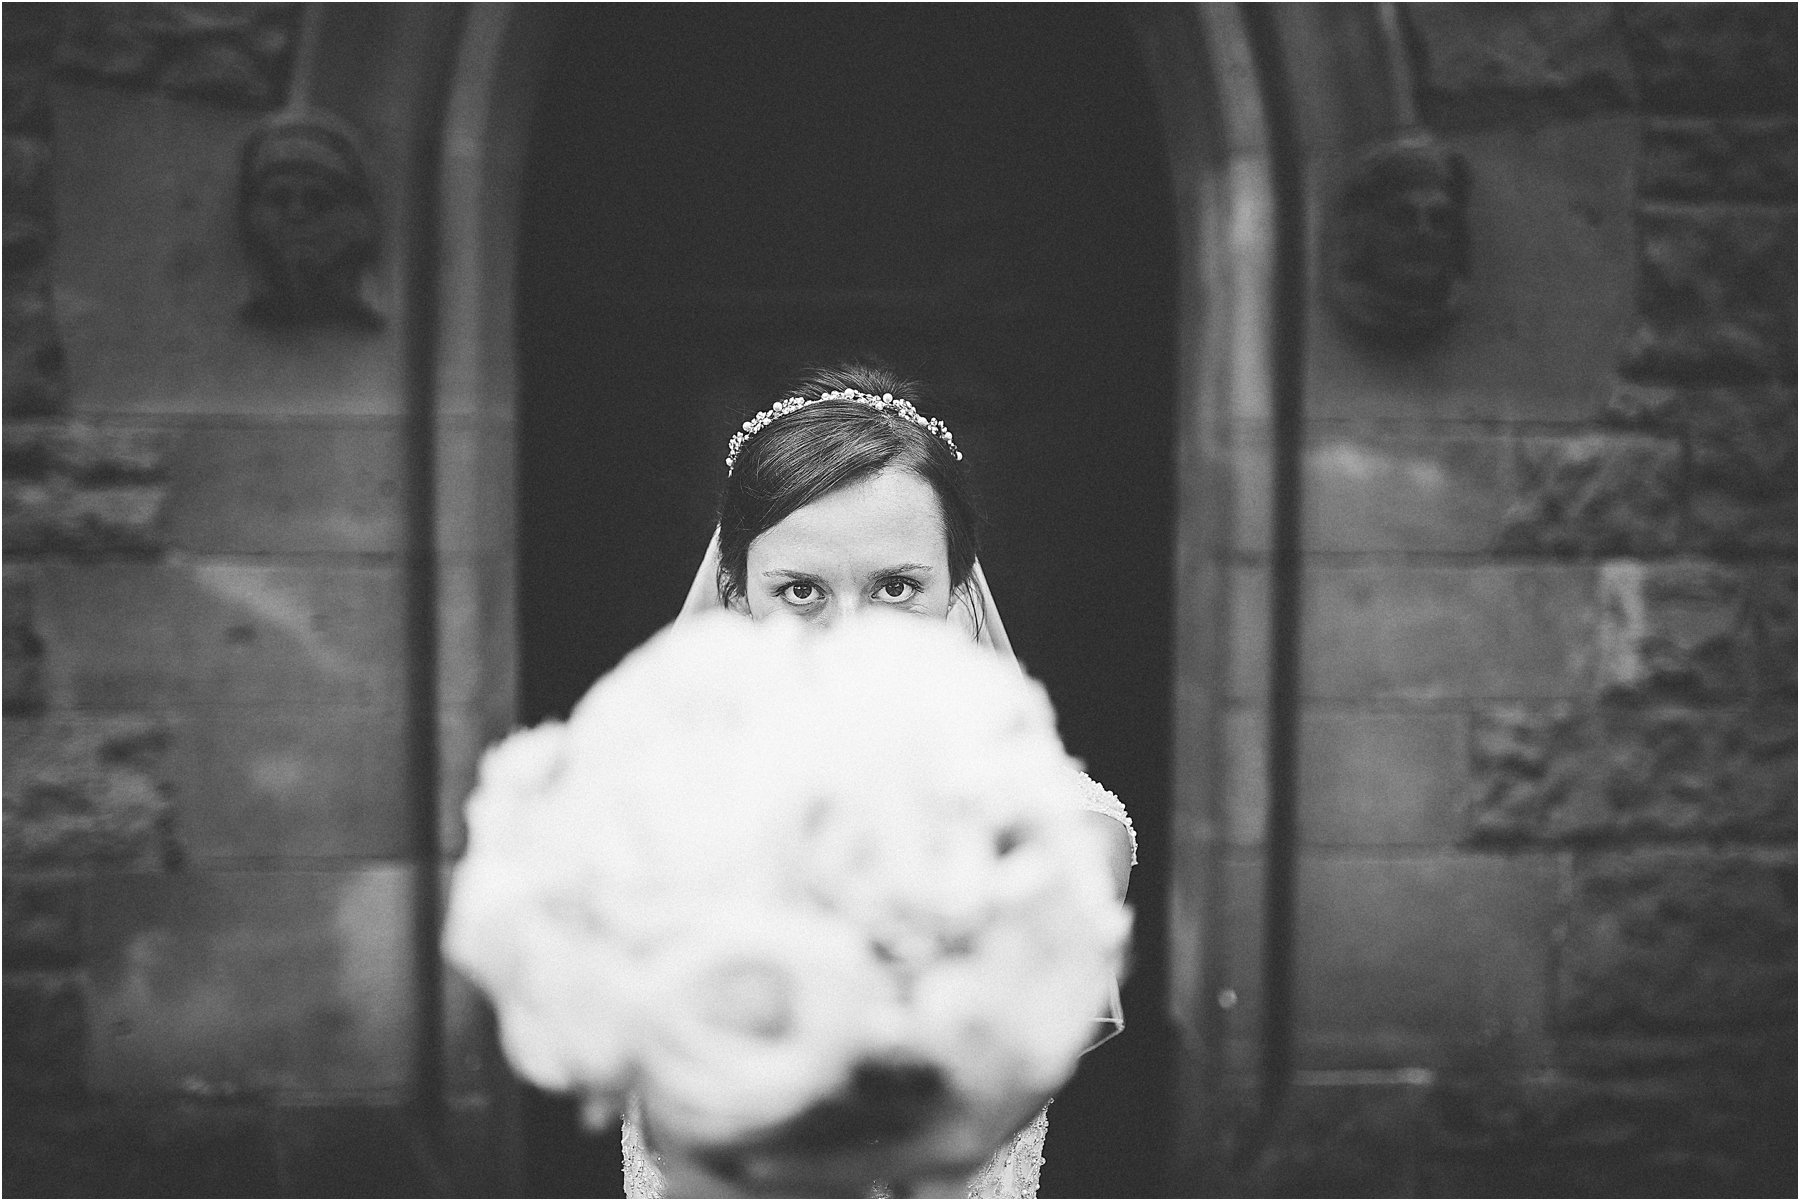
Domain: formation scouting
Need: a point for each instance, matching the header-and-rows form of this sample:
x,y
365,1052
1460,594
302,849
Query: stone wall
x,y
1545,913
207,909
1546,887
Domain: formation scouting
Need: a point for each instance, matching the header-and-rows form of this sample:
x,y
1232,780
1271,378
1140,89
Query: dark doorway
x,y
717,196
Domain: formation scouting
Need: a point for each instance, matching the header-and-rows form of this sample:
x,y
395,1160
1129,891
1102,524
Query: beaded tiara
x,y
887,402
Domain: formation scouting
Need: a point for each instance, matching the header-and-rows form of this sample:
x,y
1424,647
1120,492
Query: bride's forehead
x,y
894,506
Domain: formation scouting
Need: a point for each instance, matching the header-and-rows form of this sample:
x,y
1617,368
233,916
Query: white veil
x,y
976,612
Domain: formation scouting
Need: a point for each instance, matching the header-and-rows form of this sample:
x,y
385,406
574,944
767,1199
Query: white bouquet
x,y
824,901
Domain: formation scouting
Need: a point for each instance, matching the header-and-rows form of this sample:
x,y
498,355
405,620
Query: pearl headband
x,y
887,402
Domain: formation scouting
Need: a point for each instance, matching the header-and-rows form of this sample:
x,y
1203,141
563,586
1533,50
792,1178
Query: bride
x,y
841,500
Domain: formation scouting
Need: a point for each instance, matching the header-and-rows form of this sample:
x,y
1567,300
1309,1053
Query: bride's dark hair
x,y
829,445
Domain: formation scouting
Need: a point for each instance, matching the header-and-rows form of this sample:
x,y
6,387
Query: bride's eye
x,y
896,590
800,592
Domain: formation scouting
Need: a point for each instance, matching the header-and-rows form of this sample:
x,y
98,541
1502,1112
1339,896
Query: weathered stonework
x,y
1694,1120
1742,471
35,377
46,1032
1596,495
1670,724
35,371
85,491
86,454
87,791
1658,408
1623,771
1688,735
1715,296
1699,159
1711,58
235,54
1494,67
44,923
28,206
1692,630
24,666
56,518
1676,943
211,1149
31,34
1364,1140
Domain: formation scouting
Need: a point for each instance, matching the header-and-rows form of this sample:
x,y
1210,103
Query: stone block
x,y
1595,495
1367,492
1719,159
351,1151
36,378
1366,779
476,1150
114,633
314,634
1486,65
46,1025
1422,633
87,791
1617,771
24,662
1676,1130
45,922
147,300
31,37
226,632
1678,943
52,517
293,783
89,454
28,194
289,489
1400,957
27,243
1340,1141
1641,406
295,982
1715,296
1551,219
1742,471
1712,58
83,490
236,55
189,1148
1691,630
120,47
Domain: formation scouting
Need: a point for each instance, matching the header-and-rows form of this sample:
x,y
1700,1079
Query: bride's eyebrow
x,y
901,569
788,573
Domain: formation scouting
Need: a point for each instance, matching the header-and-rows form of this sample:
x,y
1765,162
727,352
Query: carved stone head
x,y
307,217
1398,256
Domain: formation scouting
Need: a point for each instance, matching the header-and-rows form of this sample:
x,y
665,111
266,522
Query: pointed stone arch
x,y
1256,107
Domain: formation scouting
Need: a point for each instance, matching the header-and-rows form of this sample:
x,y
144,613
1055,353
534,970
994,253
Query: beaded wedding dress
x,y
1014,1169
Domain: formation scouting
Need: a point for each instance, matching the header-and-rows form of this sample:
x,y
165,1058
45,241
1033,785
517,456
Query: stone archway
x,y
1237,165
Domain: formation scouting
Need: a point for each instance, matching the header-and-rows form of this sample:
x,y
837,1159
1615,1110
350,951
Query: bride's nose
x,y
842,613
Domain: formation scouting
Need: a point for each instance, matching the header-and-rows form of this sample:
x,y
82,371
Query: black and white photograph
x,y
900,600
